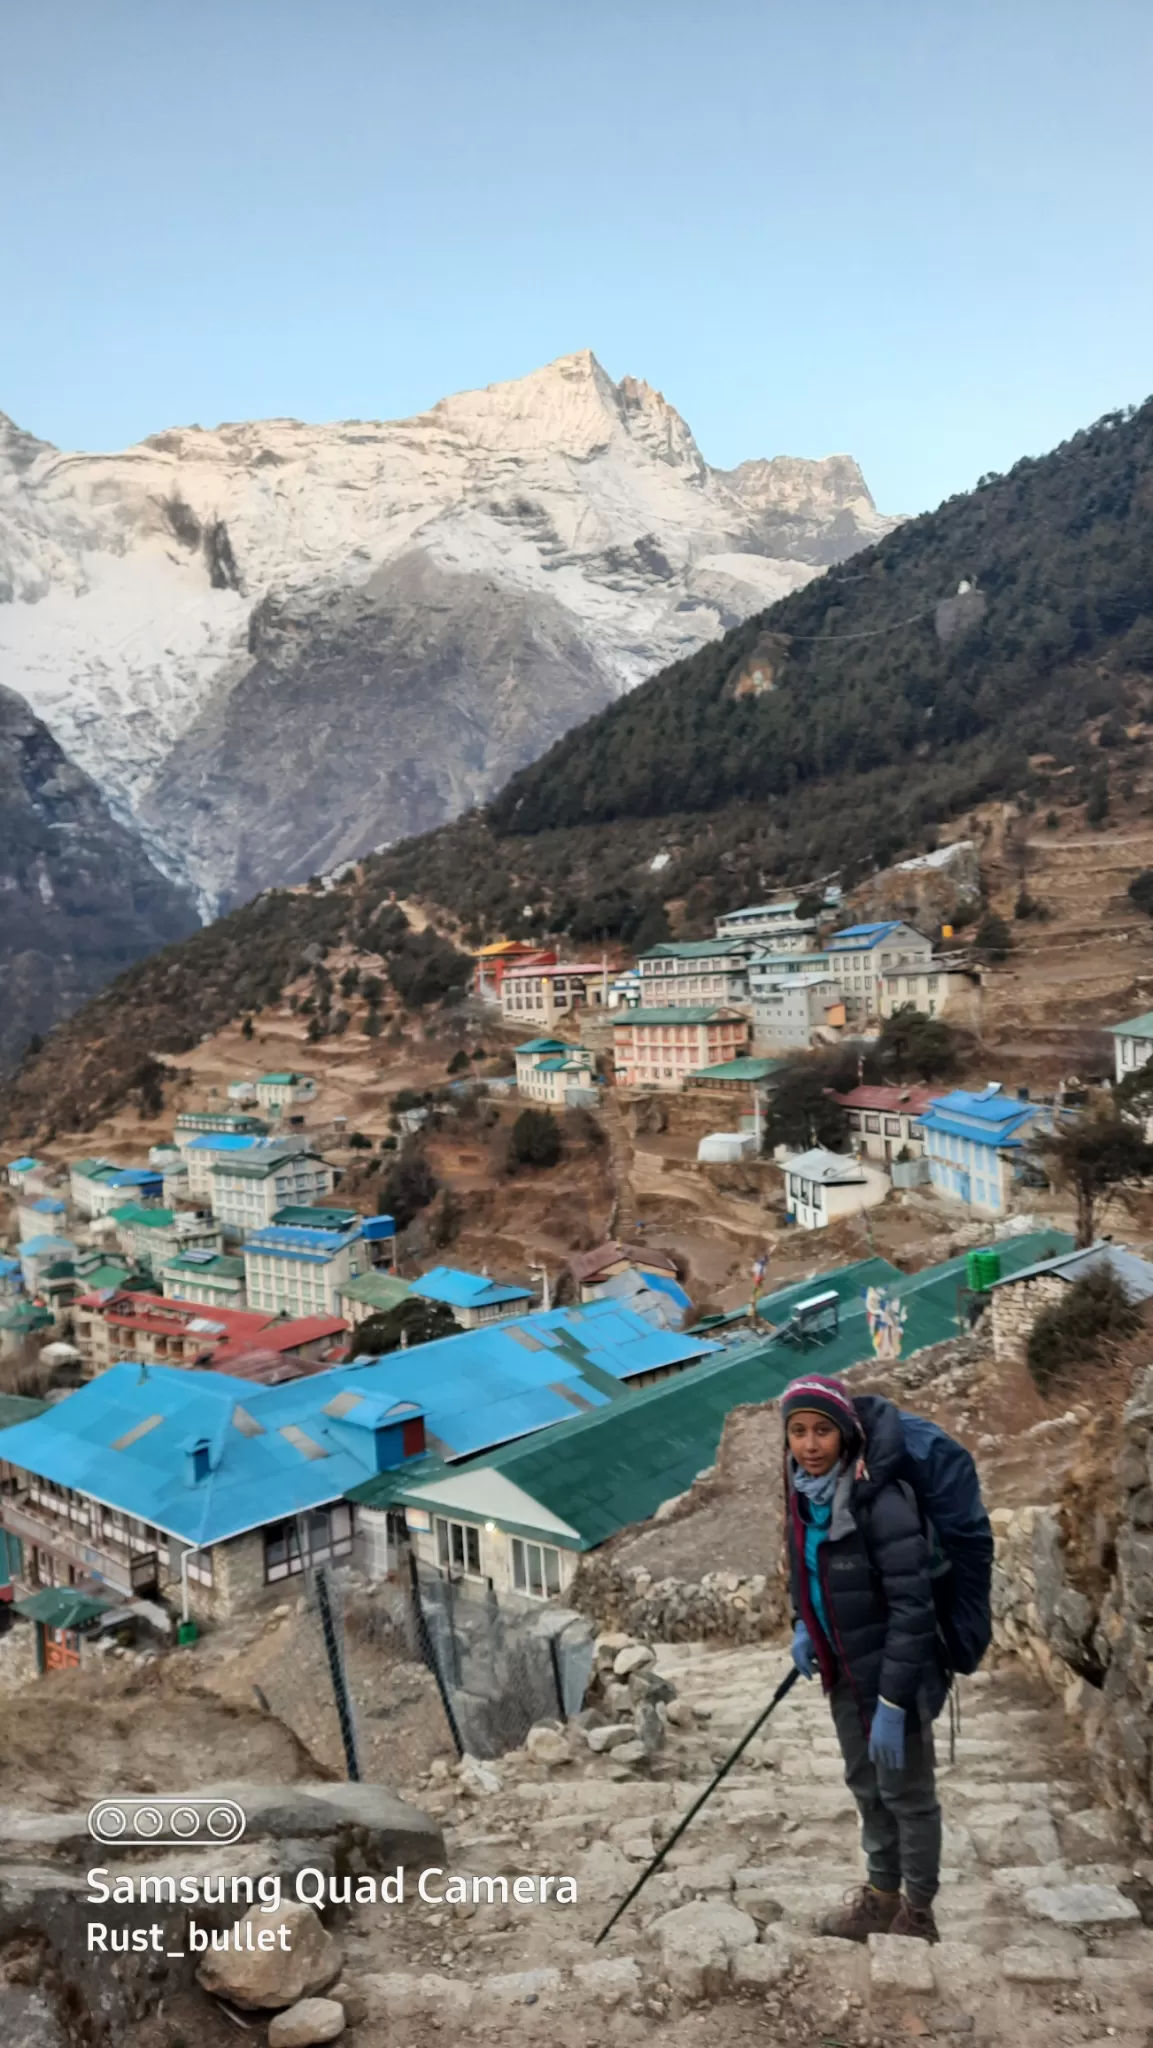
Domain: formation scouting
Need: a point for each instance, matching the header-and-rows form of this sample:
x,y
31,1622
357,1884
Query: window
x,y
872,1123
458,1546
535,1569
327,1534
892,1126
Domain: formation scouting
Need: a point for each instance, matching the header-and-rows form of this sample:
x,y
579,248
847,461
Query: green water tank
x,y
982,1269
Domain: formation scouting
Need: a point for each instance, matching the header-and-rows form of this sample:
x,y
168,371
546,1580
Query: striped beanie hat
x,y
814,1393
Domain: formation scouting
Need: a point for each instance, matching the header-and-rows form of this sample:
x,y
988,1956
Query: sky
x,y
912,230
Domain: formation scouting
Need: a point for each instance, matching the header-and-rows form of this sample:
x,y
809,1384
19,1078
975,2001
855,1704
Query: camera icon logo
x,y
130,1822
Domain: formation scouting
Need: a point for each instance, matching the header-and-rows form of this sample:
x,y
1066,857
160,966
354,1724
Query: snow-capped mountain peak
x,y
182,612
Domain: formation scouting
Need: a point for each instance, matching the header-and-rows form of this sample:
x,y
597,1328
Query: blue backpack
x,y
944,1479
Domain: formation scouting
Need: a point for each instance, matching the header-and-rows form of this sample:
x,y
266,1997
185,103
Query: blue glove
x,y
804,1655
887,1740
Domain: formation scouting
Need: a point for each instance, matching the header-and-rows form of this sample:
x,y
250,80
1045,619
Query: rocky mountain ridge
x,y
226,628
79,899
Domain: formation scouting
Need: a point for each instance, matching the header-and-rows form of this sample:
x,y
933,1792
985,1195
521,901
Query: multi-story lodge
x,y
661,1048
691,972
544,992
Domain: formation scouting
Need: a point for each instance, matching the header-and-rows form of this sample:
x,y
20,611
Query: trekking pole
x,y
790,1678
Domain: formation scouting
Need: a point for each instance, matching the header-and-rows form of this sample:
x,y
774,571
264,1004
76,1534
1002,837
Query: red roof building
x,y
885,1121
112,1326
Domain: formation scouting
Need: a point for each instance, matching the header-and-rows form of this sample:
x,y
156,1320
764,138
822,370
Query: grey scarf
x,y
820,1490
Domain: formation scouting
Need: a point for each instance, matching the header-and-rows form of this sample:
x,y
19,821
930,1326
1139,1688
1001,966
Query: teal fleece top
x,y
818,1515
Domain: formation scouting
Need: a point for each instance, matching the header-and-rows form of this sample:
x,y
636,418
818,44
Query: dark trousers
x,y
900,1812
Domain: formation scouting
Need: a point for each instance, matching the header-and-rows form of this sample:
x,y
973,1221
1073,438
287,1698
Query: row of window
x,y
327,1533
535,1566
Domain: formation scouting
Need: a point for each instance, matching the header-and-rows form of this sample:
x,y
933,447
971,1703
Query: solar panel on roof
x,y
133,1435
200,1256
342,1404
301,1441
246,1423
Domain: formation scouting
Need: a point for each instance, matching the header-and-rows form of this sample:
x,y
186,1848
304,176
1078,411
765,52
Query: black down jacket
x,y
874,1574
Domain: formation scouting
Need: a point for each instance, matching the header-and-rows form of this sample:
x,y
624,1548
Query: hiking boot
x,y
865,1911
915,1920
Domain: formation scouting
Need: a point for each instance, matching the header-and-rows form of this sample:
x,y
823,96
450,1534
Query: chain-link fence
x,y
378,1676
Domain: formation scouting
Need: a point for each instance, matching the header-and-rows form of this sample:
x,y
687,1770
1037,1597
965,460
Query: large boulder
x,y
386,1828
303,1960
698,1943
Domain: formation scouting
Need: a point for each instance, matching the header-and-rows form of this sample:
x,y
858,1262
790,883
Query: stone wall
x,y
1087,1624
719,1607
1015,1309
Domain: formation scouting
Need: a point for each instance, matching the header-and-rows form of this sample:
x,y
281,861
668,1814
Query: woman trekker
x,y
865,1619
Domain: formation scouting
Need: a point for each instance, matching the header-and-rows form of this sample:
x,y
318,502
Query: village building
x,y
249,1188
1019,1298
242,1093
211,1149
519,1519
885,1122
36,1213
189,1487
373,1294
26,1175
821,1187
796,1011
11,1278
1132,1044
214,1278
590,1270
192,1488
773,924
746,1075
97,1186
492,963
298,1266
20,1320
548,1068
862,954
284,1090
158,1330
545,993
975,1143
472,1297
153,1236
689,973
194,1123
37,1254
945,985
661,1048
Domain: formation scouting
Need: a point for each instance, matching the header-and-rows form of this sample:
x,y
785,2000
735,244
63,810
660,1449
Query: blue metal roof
x,y
9,1265
861,931
225,1141
460,1289
665,1284
34,1247
48,1205
22,1165
962,1113
135,1177
293,1241
126,1437
484,1387
476,1390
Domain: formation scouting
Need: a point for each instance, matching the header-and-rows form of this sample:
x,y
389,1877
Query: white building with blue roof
x,y
185,1484
298,1269
975,1142
473,1298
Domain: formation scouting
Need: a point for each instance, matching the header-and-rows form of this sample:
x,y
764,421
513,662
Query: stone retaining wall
x,y
720,1607
1096,1652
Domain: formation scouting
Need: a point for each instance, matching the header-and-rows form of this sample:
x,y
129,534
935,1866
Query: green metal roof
x,y
1134,1027
739,1070
62,1607
544,1045
222,1266
697,1014
16,1408
93,1169
135,1212
25,1316
301,1217
379,1291
602,1471
279,1080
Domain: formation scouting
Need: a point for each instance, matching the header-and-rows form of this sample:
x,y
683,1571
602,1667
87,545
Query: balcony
x,y
127,1571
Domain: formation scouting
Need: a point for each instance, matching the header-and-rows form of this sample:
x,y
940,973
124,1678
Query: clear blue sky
x,y
915,230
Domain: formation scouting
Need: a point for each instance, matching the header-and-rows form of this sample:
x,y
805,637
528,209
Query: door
x,y
61,1649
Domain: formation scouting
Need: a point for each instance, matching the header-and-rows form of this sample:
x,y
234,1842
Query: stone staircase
x,y
1045,1912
